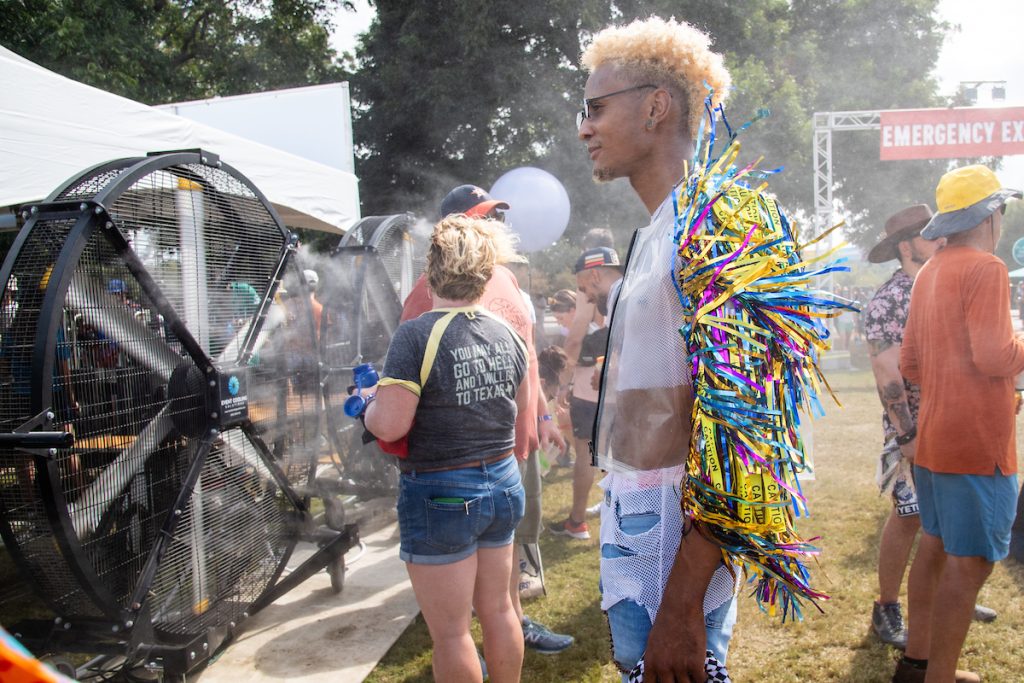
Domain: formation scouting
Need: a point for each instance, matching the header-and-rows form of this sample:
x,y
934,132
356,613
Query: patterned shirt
x,y
884,320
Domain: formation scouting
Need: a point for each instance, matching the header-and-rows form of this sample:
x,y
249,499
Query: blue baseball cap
x,y
470,200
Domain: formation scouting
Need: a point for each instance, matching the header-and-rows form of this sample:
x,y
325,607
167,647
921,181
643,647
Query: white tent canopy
x,y
52,128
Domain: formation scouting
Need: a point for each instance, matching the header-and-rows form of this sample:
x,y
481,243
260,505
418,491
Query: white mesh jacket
x,y
642,430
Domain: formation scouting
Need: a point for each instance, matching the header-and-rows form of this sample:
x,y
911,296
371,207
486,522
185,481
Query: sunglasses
x,y
586,112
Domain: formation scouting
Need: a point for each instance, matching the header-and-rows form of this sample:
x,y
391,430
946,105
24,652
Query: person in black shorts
x,y
583,388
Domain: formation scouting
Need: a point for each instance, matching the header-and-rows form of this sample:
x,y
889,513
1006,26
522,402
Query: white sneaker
x,y
594,509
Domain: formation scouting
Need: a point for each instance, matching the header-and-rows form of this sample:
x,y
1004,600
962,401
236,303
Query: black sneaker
x,y
539,638
911,673
887,623
907,672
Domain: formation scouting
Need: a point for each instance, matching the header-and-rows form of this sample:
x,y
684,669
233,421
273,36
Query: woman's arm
x,y
547,427
389,416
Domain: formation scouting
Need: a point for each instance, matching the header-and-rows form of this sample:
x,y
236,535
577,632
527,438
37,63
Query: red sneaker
x,y
570,528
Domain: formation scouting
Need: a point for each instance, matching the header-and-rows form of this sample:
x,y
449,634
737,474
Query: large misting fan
x,y
161,410
374,267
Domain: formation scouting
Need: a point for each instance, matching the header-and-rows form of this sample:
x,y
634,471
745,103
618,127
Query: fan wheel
x,y
336,569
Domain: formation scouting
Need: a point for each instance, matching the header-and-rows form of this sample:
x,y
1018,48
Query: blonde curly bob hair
x,y
670,53
462,255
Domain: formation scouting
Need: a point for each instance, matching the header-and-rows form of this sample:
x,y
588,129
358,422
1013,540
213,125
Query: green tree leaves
x,y
157,51
456,91
461,91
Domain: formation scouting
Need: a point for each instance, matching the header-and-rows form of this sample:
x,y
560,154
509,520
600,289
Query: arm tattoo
x,y
877,347
894,400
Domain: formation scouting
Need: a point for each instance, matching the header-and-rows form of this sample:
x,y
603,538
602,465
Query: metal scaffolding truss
x,y
824,124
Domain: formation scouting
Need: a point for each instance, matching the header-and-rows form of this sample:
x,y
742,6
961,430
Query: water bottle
x,y
363,376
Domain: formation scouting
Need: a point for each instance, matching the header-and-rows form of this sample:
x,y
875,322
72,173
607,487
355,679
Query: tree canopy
x,y
156,51
460,91
463,90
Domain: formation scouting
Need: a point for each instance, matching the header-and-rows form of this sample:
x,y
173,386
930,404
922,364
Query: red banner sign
x,y
952,133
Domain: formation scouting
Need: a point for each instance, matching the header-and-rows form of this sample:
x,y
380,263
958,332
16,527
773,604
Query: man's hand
x,y
676,646
677,643
885,358
909,450
549,433
352,390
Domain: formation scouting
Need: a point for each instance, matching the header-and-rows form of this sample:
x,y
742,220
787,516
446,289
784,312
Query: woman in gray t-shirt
x,y
451,388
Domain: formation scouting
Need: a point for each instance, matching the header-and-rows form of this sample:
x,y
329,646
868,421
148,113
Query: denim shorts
x,y
444,517
630,623
972,513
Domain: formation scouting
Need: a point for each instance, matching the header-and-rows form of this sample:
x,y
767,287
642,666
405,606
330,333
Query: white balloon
x,y
538,206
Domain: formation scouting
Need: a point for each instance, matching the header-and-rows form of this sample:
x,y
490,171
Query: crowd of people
x,y
467,401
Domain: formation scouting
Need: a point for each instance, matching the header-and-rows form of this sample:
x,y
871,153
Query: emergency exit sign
x,y
951,133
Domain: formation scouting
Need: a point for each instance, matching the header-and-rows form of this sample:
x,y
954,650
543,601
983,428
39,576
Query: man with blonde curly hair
x,y
667,593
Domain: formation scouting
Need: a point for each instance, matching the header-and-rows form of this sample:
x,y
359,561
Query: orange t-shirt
x,y
501,297
318,312
959,346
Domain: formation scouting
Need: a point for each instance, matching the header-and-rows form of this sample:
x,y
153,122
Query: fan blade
x,y
87,511
238,451
274,319
109,315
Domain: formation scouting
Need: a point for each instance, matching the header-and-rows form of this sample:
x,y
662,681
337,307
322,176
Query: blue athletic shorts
x,y
444,517
971,513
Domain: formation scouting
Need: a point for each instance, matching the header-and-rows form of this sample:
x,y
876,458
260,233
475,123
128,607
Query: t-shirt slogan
x,y
483,371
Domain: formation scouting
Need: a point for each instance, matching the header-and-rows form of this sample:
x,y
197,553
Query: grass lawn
x,y
847,513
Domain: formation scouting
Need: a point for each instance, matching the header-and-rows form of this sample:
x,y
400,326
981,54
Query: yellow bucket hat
x,y
965,197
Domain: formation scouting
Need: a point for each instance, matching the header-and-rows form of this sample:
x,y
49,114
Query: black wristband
x,y
904,439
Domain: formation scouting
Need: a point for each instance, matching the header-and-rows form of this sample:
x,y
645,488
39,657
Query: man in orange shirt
x,y
960,348
313,282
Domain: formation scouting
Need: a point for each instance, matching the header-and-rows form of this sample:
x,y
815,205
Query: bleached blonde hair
x,y
462,255
664,52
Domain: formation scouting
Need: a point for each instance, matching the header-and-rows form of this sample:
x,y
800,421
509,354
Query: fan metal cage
x,y
373,269
158,317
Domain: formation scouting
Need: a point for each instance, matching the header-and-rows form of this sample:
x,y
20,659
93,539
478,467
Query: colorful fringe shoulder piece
x,y
754,331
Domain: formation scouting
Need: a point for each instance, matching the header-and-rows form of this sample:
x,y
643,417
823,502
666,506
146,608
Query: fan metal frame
x,y
365,469
127,630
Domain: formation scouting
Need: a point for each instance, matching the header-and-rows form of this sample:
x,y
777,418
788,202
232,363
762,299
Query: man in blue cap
x,y
597,271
